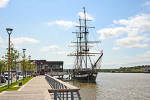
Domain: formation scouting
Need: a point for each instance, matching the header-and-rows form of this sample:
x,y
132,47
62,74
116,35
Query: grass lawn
x,y
12,86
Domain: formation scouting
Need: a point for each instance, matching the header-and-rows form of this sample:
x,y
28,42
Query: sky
x,y
44,28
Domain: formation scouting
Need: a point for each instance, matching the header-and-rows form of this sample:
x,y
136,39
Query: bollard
x,y
20,83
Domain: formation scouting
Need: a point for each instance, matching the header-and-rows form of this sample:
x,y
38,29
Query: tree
x,y
2,66
14,56
29,66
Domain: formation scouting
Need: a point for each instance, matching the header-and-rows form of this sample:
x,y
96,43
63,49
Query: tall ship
x,y
87,63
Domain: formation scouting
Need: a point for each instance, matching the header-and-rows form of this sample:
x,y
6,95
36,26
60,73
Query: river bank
x,y
135,69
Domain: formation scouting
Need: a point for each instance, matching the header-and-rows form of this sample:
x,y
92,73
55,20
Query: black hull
x,y
85,76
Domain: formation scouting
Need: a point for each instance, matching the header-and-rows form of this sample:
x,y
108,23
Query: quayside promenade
x,y
35,89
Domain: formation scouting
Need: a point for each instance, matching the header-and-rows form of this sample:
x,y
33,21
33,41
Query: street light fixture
x,y
24,74
9,31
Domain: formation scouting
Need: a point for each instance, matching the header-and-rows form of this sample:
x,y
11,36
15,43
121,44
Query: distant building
x,y
147,69
43,66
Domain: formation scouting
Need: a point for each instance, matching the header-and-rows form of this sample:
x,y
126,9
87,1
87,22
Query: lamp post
x,y
11,59
9,31
24,63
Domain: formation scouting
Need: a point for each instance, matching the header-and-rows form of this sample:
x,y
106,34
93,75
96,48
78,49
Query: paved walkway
x,y
35,89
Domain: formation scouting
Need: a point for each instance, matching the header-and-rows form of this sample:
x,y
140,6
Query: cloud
x,y
88,16
61,53
111,32
24,40
1,40
126,61
146,4
53,49
138,59
139,24
69,24
48,48
70,45
116,48
134,31
147,54
133,42
63,23
2,43
3,3
136,25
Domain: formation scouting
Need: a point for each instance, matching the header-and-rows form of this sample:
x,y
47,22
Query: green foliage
x,y
135,69
14,55
29,66
2,66
12,86
15,58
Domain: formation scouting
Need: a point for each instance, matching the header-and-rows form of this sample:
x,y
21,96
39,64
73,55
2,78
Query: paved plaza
x,y
35,89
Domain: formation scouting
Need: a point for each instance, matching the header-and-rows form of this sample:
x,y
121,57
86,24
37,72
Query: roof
x,y
48,62
54,62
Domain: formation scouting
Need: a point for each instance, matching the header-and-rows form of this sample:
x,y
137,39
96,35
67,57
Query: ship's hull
x,y
85,76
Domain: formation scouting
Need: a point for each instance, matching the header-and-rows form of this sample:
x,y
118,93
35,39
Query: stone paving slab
x,y
35,89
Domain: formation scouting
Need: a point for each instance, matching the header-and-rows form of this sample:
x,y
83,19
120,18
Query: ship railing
x,y
62,90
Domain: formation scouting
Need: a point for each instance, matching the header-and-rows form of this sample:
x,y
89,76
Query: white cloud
x,y
127,61
71,45
3,3
116,48
48,48
136,25
69,24
63,23
2,43
146,4
139,59
61,53
136,29
133,42
139,24
1,40
146,54
111,32
53,49
24,40
88,16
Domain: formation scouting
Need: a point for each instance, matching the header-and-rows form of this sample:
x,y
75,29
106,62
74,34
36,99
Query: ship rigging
x,y
82,71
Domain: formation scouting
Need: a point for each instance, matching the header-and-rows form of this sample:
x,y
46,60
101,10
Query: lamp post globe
x,y
24,51
9,30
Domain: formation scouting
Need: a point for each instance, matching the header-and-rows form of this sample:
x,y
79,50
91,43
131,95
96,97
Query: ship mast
x,y
80,39
82,54
85,37
79,46
77,51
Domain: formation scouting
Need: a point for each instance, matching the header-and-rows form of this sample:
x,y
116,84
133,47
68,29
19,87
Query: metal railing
x,y
62,90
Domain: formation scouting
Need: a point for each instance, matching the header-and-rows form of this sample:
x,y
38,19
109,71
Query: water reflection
x,y
88,91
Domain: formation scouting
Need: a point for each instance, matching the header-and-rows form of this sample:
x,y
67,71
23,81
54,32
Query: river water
x,y
116,86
